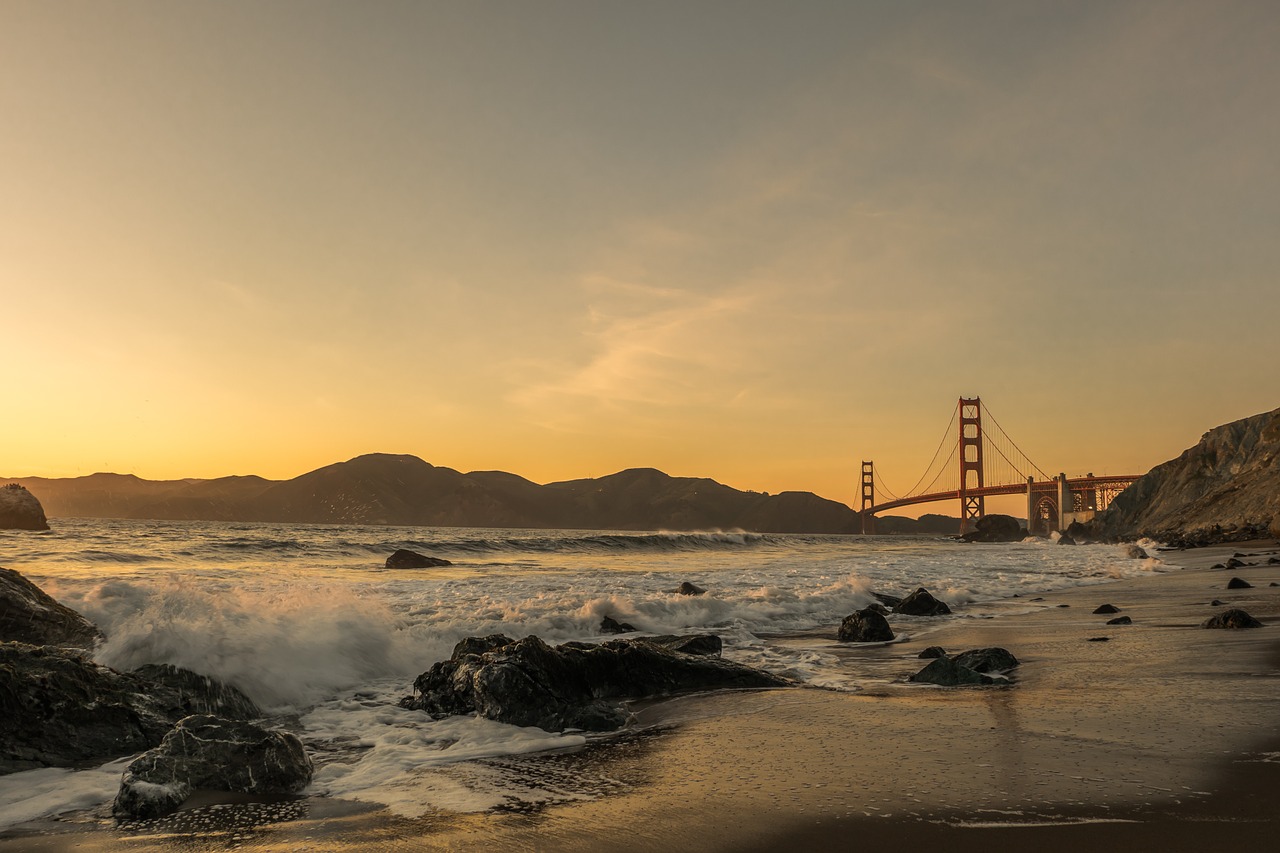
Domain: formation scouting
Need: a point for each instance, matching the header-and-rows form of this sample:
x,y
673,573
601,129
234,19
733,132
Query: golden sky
x,y
757,242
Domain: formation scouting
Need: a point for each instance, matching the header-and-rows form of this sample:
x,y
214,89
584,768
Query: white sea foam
x,y
52,791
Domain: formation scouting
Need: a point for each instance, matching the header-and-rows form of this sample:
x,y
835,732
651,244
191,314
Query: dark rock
x,y
609,625
1218,566
405,559
1038,598
61,709
1099,639
29,615
1120,620
1064,605
1239,554
932,652
205,751
1216,603
480,645
879,608
20,510
921,603
1274,561
993,659
688,644
1273,583
865,626
944,671
1079,532
529,683
1233,563
886,599
1232,619
996,528
687,588
1106,608
1064,539
180,693
1239,583
1135,552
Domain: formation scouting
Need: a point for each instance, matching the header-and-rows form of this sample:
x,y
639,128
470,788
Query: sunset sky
x,y
757,242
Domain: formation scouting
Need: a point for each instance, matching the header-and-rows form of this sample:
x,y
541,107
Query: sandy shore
x,y
1164,736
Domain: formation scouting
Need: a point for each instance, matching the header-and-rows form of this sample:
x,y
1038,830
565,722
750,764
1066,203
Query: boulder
x,y
572,686
1106,608
1120,620
20,510
992,659
1273,561
29,615
1233,619
1234,563
996,528
945,672
179,693
687,588
83,713
921,603
1135,552
204,751
932,652
1239,583
406,559
688,644
1216,603
865,626
609,625
1064,539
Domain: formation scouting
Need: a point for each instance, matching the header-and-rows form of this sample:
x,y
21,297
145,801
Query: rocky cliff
x,y
1226,487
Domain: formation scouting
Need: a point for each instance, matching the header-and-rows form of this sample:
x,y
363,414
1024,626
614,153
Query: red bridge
x,y
989,465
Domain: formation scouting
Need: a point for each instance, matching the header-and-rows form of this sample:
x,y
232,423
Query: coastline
x,y
1155,737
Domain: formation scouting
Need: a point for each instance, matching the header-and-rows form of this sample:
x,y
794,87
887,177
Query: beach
x,y
1165,736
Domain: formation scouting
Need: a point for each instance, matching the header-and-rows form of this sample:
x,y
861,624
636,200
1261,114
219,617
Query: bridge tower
x,y
972,507
868,498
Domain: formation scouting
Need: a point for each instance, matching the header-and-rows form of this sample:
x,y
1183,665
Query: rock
x,y
1233,619
1120,620
1233,563
609,625
688,644
687,588
1239,583
944,671
1064,605
1099,639
1218,566
1274,561
886,599
865,626
996,528
1135,552
993,659
1079,532
572,686
1216,603
879,608
1106,608
405,559
20,510
932,652
205,751
480,645
1064,539
29,615
921,603
84,713
180,693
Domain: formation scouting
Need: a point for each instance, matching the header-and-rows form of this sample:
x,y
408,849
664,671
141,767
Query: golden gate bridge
x,y
984,463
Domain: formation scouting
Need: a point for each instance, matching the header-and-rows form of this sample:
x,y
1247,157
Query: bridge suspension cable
x,y
1008,450
947,434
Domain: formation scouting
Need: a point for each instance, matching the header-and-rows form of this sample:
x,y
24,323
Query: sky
x,y
753,241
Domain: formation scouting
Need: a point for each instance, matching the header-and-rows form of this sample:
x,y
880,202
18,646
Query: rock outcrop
x,y
29,615
208,752
1232,620
572,686
20,510
406,559
1227,487
61,709
996,528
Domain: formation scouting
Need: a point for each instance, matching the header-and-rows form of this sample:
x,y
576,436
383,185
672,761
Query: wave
x,y
596,543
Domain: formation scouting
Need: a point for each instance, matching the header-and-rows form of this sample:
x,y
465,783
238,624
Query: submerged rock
x,y
20,510
921,603
1233,619
205,751
609,625
687,588
572,686
29,615
865,626
406,559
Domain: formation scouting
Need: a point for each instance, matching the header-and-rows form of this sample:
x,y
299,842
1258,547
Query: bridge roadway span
x,y
1075,484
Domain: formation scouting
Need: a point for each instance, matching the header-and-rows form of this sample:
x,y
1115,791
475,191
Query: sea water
x,y
307,621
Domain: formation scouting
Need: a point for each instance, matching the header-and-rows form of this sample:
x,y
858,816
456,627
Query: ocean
x,y
307,621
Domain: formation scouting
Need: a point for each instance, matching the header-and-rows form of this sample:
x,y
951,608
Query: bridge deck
x,y
1073,483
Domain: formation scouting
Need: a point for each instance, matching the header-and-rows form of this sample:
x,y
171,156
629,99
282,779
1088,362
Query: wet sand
x,y
1165,736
